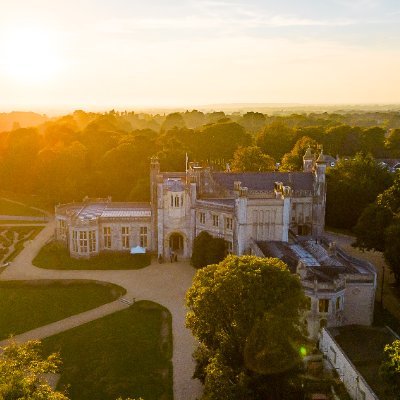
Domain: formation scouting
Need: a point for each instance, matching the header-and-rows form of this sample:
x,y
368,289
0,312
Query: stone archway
x,y
176,243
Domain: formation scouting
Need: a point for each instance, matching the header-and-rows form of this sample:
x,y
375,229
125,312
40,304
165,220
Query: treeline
x,y
95,154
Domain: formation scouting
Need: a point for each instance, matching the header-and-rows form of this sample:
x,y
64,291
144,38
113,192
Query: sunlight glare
x,y
31,56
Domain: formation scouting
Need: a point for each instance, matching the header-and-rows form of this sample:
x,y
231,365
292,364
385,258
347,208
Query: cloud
x,y
245,21
288,20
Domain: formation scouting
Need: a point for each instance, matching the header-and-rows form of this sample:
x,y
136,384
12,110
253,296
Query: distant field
x,y
55,256
29,200
10,208
125,354
28,305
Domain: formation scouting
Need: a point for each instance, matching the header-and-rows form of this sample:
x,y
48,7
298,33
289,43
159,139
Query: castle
x,y
279,214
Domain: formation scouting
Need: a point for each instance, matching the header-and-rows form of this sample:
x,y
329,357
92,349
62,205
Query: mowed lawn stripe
x,y
28,305
125,354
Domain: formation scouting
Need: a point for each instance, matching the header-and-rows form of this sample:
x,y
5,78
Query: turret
x,y
154,171
320,195
320,167
308,160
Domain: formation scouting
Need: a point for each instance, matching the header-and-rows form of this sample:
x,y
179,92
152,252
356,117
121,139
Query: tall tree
x,y
392,248
219,141
207,250
253,122
393,143
276,139
378,227
245,312
390,368
293,161
251,158
373,141
22,372
173,120
352,185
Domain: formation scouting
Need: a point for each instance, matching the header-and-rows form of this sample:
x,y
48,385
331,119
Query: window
x,y
125,237
92,241
202,218
176,200
62,227
308,303
215,220
229,247
107,237
75,241
143,236
338,303
323,305
229,223
83,242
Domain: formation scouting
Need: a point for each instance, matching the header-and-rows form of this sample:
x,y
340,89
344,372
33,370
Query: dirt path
x,y
165,284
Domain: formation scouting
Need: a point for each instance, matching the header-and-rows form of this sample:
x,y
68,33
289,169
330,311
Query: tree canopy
x,y
352,185
101,154
251,159
245,312
378,227
390,368
207,250
293,161
21,373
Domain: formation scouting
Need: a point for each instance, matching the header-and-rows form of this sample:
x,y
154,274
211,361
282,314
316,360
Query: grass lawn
x,y
10,208
28,305
55,256
29,200
126,354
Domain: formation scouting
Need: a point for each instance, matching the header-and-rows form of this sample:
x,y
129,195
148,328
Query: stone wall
x,y
355,384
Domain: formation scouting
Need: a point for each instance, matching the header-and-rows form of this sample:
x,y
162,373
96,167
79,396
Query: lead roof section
x,y
265,180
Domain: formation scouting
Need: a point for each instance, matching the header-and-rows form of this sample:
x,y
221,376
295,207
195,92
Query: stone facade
x,y
97,225
279,214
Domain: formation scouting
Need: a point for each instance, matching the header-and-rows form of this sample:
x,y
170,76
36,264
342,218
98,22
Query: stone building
x,y
266,213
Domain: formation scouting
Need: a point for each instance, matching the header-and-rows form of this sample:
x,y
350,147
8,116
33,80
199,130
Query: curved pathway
x,y
165,284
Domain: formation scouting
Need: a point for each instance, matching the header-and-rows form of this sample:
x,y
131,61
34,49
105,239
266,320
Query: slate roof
x,y
217,202
265,180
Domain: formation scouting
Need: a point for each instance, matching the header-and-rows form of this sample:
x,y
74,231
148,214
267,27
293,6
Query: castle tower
x,y
308,160
154,171
320,195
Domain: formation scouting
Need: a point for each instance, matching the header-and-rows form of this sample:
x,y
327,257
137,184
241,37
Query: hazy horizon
x,y
185,54
225,107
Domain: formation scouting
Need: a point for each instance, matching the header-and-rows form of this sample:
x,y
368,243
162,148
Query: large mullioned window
x,y
125,237
143,236
107,237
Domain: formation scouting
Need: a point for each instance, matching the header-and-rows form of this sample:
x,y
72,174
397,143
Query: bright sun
x,y
30,56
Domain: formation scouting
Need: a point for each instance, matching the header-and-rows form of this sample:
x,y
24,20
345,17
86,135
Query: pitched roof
x,y
265,180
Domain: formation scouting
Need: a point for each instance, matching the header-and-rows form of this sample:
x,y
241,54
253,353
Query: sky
x,y
103,54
